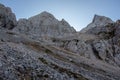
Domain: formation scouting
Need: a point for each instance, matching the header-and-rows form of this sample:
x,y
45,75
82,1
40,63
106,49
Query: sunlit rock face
x,y
43,48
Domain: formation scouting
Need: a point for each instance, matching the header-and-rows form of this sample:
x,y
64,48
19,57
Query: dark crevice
x,y
113,48
96,53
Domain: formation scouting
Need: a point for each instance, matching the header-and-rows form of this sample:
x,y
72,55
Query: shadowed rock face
x,y
43,48
7,18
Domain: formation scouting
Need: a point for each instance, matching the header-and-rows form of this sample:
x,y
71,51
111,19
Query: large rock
x,y
7,18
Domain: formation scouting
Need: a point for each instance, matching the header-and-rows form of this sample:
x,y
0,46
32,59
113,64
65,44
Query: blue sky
x,y
78,13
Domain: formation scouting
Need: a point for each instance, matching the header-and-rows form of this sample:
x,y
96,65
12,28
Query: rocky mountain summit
x,y
44,48
44,24
97,22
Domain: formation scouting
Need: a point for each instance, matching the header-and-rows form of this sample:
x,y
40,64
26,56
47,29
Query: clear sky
x,y
78,13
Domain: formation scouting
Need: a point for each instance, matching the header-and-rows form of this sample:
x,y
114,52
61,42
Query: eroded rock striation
x,y
43,48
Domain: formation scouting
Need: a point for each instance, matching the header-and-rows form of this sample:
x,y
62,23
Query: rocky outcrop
x,y
7,18
23,26
98,21
43,48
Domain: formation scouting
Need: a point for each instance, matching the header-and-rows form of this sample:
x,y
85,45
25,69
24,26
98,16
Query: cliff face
x,y
43,48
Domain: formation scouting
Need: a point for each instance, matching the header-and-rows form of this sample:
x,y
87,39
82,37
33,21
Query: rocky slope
x,y
43,48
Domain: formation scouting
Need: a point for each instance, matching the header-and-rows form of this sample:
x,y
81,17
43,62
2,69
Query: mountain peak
x,y
44,24
97,22
45,13
101,19
42,16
